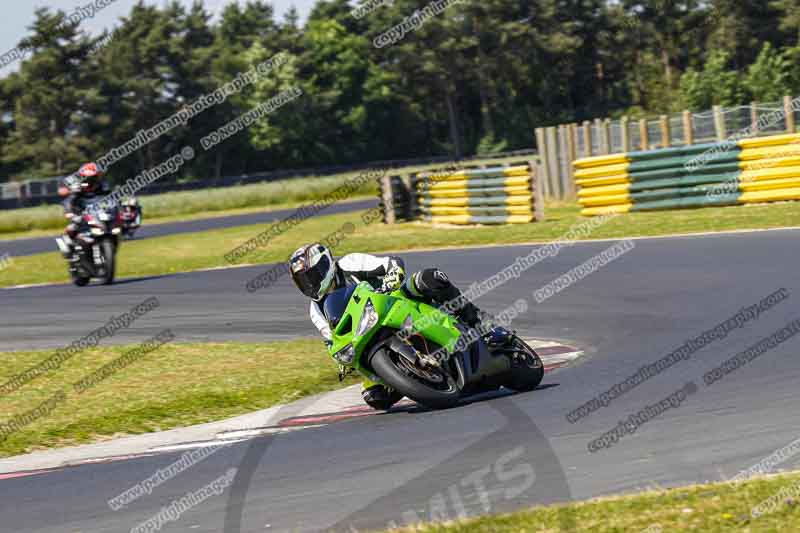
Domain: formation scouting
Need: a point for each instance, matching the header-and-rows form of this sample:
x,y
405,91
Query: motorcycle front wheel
x,y
431,387
80,281
109,252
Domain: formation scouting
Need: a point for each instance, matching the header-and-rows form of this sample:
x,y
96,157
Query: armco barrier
x,y
765,169
497,195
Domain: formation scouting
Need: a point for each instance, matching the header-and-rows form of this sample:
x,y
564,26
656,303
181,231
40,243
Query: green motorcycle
x,y
422,352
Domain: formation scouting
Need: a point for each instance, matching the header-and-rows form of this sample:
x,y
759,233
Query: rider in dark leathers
x,y
82,187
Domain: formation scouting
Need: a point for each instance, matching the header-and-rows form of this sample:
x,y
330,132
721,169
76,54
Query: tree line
x,y
461,77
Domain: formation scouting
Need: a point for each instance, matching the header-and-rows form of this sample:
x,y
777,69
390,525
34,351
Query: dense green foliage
x,y
476,78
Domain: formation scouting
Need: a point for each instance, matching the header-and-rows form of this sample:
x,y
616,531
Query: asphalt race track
x,y
488,456
21,247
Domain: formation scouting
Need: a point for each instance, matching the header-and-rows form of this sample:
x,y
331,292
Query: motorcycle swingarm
x,y
475,368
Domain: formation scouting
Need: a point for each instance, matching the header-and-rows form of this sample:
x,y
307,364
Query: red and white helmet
x,y
89,174
90,170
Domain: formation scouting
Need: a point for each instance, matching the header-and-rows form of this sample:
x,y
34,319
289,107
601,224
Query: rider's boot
x,y
378,396
470,314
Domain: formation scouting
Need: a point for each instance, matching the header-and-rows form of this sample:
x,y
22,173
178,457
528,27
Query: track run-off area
x,y
500,453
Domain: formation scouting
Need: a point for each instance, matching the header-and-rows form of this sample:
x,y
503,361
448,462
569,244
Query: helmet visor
x,y
309,279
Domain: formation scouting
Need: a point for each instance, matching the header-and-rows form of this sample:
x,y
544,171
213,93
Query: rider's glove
x,y
393,279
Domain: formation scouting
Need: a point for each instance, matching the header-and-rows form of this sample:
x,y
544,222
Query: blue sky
x,y
18,15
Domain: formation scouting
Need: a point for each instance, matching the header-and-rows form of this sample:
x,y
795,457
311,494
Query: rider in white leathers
x,y
316,273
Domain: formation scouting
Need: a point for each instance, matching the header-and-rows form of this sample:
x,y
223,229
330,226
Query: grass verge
x,y
180,253
288,193
196,383
150,221
168,207
710,508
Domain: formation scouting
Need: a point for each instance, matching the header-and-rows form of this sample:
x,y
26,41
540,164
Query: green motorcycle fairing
x,y
360,313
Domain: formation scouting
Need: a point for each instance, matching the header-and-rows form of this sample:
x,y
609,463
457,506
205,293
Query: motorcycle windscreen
x,y
336,304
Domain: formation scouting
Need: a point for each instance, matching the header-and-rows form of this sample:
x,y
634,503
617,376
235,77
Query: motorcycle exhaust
x,y
61,244
62,247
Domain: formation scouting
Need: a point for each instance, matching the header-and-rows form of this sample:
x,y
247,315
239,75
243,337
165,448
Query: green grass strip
x,y
175,385
710,508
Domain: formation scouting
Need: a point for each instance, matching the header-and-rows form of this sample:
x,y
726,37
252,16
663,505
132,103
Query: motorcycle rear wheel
x,y
438,391
528,371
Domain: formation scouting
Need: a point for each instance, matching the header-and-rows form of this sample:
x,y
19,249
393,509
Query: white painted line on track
x,y
545,242
194,445
250,433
